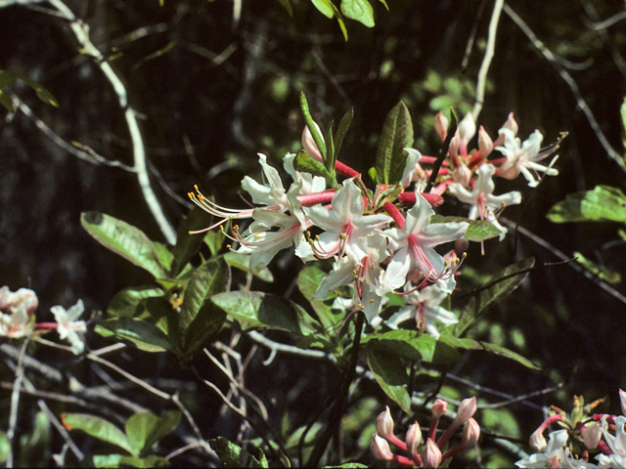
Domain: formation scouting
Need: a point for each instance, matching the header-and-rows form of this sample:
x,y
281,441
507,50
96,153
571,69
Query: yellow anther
x,y
317,237
257,235
308,233
201,197
195,186
360,306
228,246
371,301
342,235
354,272
222,228
236,228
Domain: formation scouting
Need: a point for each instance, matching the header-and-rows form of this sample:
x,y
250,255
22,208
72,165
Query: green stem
x,y
443,151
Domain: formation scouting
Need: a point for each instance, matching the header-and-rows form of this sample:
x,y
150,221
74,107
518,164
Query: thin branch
x,y
15,401
607,23
51,374
472,36
521,398
489,52
570,82
81,33
289,349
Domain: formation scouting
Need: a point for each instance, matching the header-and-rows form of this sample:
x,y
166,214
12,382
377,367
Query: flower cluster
x,y
431,453
581,434
17,318
380,241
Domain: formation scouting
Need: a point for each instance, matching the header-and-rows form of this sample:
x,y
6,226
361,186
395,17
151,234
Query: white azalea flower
x,y
617,444
555,455
68,327
16,311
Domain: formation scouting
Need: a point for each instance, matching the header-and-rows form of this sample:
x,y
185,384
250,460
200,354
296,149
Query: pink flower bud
x,y
439,408
441,125
622,399
511,124
413,439
462,174
592,435
485,144
431,456
467,128
384,424
537,441
471,433
309,144
467,408
380,448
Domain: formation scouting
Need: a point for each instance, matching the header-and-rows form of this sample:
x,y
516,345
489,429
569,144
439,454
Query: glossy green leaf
x,y
477,231
471,344
142,334
206,324
391,376
304,163
129,301
358,10
125,240
42,93
210,278
414,346
258,309
120,460
324,7
98,428
310,123
602,273
385,4
604,203
242,262
187,245
396,135
5,447
308,280
232,455
107,460
342,130
145,429
287,6
500,286
214,239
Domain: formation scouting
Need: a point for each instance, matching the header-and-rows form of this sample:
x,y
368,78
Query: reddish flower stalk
x,y
410,198
395,214
317,198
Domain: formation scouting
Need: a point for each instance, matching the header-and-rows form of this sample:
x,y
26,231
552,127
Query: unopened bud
x,y
592,435
384,424
471,433
380,448
467,408
413,438
439,408
622,399
462,174
485,144
537,441
441,125
309,144
467,128
461,245
431,456
511,124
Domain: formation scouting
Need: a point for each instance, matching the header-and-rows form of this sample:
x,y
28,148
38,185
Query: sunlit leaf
x,y
308,280
324,7
145,429
142,334
232,455
5,447
123,239
602,273
477,231
414,346
42,93
129,301
604,203
397,134
35,445
242,262
358,10
98,428
391,376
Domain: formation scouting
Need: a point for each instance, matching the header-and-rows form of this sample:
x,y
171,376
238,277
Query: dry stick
x,y
489,52
570,82
139,155
15,401
443,151
472,36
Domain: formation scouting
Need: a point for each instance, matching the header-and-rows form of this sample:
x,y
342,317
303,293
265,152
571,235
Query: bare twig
x,y
29,362
489,52
15,401
614,155
607,23
289,349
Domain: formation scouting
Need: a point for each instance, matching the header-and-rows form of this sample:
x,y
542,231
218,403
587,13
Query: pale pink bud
x,y
380,448
309,144
441,125
462,174
439,408
413,439
511,124
384,424
592,435
471,433
622,399
467,408
537,441
431,456
467,128
453,149
485,144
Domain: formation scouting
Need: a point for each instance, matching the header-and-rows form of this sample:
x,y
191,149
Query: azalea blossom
x,y
68,327
556,454
415,239
523,157
616,442
483,202
16,312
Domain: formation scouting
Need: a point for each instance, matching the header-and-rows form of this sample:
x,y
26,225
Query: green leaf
x,y
287,6
604,203
125,240
258,309
308,280
414,346
623,113
129,302
358,10
391,376
304,105
344,125
215,239
305,163
232,455
324,7
602,273
210,278
6,78
471,344
42,93
348,465
385,3
142,334
207,323
164,255
98,428
119,460
107,460
499,287
145,429
242,262
187,245
35,446
396,135
477,231
330,149
6,101
5,447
